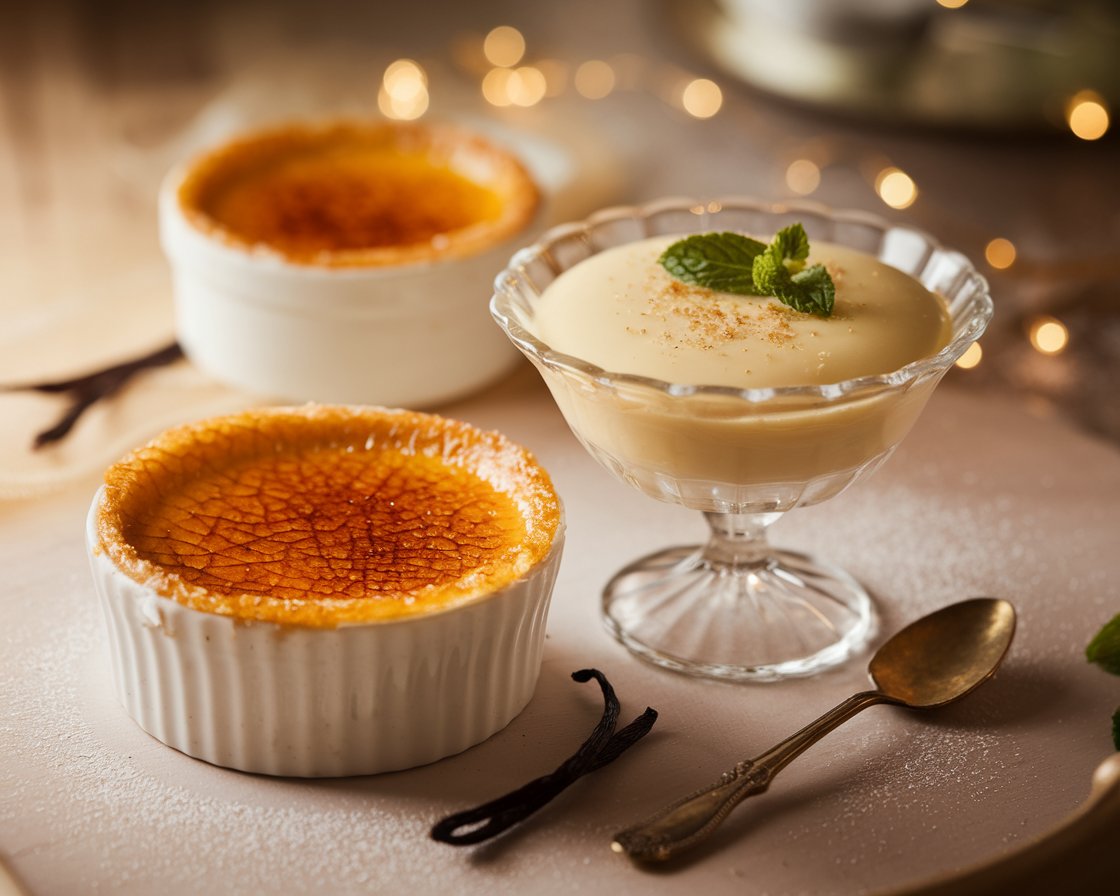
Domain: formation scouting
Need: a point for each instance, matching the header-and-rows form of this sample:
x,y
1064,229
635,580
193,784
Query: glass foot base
x,y
782,616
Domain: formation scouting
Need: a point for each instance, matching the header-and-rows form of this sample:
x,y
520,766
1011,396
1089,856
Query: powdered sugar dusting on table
x,y
980,500
151,826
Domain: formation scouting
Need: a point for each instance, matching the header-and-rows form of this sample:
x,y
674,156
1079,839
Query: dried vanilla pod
x,y
602,747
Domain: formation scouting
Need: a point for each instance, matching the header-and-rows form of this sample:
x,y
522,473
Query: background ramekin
x,y
409,335
310,702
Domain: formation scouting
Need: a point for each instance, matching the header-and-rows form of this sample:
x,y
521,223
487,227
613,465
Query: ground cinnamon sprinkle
x,y
701,318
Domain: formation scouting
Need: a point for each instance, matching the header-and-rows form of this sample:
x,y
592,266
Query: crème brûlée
x,y
348,193
326,516
622,311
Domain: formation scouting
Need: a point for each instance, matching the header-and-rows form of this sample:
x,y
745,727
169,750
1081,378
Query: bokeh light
x,y
803,176
701,98
523,86
1048,335
526,86
952,4
896,188
495,87
594,79
1000,253
404,91
1087,115
971,357
504,46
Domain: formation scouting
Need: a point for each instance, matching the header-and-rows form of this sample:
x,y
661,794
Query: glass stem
x,y
738,540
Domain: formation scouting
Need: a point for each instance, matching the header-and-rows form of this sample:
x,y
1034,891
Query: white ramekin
x,y
309,702
408,335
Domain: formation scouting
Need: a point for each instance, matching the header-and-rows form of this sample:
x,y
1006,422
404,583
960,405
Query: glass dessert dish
x,y
737,608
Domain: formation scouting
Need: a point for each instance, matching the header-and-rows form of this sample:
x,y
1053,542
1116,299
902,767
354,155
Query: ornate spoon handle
x,y
690,820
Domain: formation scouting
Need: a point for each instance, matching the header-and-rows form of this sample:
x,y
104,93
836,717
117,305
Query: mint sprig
x,y
719,261
1104,650
731,262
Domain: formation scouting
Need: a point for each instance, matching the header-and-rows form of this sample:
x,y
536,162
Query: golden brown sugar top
x,y
320,516
349,194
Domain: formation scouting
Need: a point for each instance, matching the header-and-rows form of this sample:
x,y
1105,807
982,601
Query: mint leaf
x,y
719,261
770,275
730,262
816,290
1104,649
791,243
810,291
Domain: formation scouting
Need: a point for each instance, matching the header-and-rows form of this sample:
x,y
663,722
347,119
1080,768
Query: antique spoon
x,y
931,662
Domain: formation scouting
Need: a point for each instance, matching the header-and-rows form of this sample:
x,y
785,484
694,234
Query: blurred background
x,y
989,123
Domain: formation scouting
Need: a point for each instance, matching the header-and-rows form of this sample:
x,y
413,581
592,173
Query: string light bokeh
x,y
1000,253
896,188
509,76
1048,335
404,91
971,357
1087,115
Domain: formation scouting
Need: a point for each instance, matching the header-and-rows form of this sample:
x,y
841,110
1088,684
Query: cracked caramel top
x,y
350,194
321,516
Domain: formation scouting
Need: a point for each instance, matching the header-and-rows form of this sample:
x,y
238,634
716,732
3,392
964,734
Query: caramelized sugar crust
x,y
351,194
320,516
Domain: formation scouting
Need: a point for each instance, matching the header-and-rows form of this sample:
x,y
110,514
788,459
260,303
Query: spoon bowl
x,y
943,656
934,661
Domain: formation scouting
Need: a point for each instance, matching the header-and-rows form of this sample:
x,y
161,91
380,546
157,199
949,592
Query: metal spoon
x,y
931,662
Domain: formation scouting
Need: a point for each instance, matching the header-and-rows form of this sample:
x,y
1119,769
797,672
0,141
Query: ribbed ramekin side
x,y
277,700
438,685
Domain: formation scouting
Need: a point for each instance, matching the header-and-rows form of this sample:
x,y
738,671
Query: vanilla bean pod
x,y
603,746
88,389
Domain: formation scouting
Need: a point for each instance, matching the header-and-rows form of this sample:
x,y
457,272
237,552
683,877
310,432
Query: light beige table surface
x,y
981,499
989,495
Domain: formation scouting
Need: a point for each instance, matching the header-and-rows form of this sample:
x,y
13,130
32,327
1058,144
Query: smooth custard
x,y
349,194
324,516
622,311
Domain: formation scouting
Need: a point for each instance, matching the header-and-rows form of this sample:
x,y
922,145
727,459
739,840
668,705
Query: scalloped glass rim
x,y
966,331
